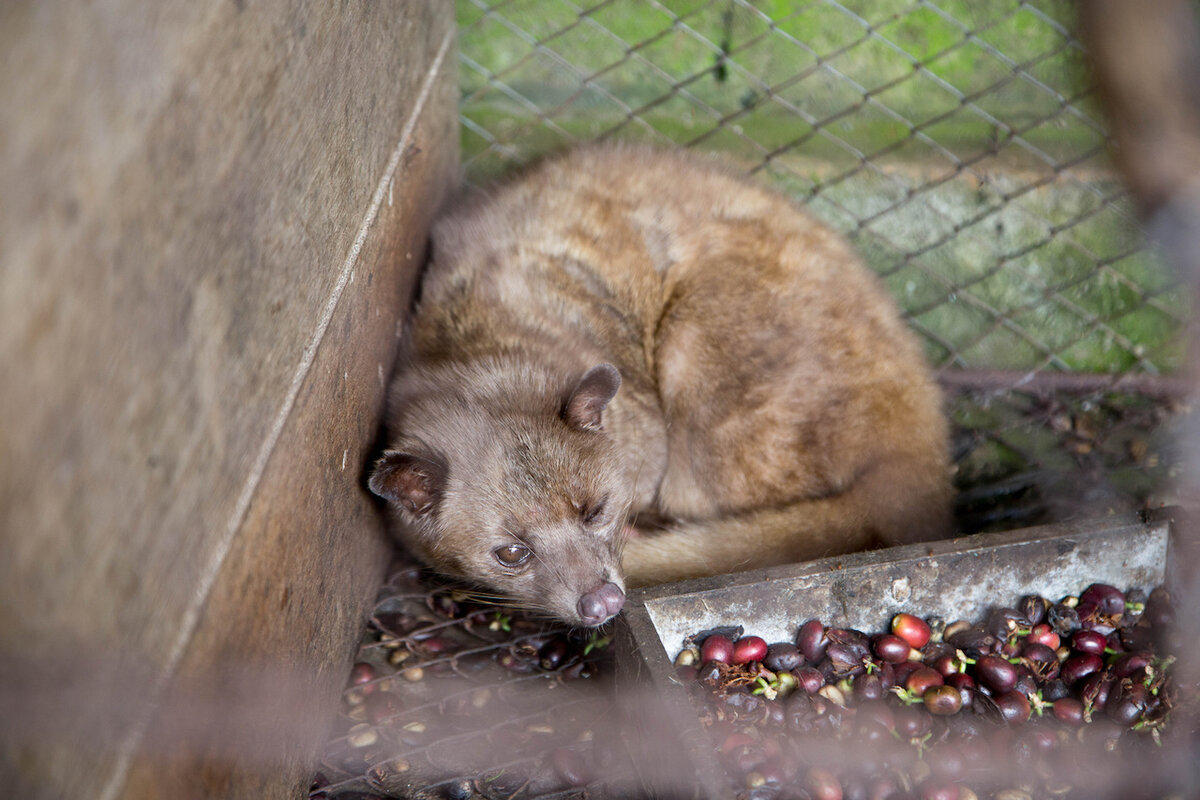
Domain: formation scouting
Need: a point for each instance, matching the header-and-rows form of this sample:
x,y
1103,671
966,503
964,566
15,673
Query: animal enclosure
x,y
960,148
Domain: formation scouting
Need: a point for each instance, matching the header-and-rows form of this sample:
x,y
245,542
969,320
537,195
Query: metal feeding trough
x,y
952,579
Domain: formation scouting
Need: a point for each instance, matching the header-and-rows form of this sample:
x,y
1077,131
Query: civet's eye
x,y
590,513
512,555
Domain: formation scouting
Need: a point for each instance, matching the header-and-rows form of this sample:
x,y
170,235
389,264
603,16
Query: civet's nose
x,y
601,605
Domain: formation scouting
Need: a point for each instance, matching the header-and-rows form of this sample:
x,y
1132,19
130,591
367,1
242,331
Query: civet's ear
x,y
585,407
414,482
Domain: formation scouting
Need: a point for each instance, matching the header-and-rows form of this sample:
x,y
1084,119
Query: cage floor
x,y
455,697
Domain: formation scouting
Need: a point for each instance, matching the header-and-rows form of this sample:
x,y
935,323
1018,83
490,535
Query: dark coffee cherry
x,y
746,757
1137,638
812,641
1041,660
1005,622
1108,600
514,662
748,649
1033,607
1160,610
361,673
1055,689
1026,682
733,739
1063,619
942,700
890,648
1127,664
922,680
712,673
1024,752
822,784
975,642
1080,666
809,679
901,671
965,685
946,665
847,660
877,713
1128,705
553,653
1068,710
717,648
1014,707
883,787
782,657
803,711
867,686
849,636
887,674
912,722
1092,619
1094,690
1084,641
995,673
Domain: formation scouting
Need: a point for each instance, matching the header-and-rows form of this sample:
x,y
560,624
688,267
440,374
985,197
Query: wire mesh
x,y
955,143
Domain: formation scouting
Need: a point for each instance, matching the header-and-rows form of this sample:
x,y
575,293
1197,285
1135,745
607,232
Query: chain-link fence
x,y
958,146
955,143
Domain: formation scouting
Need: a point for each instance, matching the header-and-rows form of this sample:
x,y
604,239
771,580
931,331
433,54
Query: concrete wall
x,y
211,214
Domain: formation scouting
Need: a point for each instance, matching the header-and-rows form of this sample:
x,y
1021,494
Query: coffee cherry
x,y
749,648
942,700
911,629
996,673
811,640
717,648
890,648
782,657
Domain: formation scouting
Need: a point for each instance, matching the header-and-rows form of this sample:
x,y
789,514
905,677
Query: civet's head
x,y
513,483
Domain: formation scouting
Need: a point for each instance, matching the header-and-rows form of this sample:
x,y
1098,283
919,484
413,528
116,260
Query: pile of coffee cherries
x,y
1042,699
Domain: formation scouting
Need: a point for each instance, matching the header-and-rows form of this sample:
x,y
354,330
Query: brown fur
x,y
773,407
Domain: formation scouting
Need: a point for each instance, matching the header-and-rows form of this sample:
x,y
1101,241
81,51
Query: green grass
x,y
952,141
